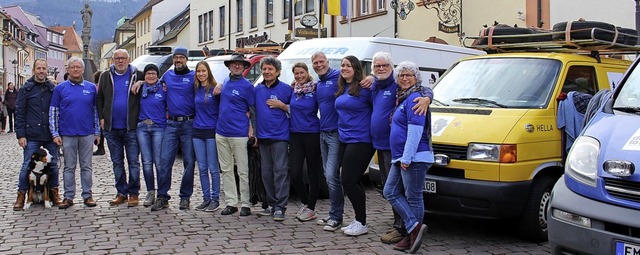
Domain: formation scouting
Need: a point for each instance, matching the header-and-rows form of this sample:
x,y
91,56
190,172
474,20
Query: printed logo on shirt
x,y
86,92
235,92
386,93
309,95
126,83
209,96
186,80
329,82
158,96
273,97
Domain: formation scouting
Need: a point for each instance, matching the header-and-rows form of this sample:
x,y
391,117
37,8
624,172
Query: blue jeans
x,y
329,146
150,143
119,142
408,202
274,166
209,169
177,133
32,146
77,150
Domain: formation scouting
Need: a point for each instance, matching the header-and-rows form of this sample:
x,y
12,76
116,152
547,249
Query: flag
x,y
336,7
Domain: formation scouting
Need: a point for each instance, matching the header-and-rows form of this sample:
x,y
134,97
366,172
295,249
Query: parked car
x,y
497,145
158,55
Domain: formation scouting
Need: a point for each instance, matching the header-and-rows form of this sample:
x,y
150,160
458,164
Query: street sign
x,y
309,32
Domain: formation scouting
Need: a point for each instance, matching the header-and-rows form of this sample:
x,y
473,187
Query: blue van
x,y
595,206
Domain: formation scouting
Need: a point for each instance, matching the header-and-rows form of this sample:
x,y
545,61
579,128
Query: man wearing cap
x,y
180,95
118,111
232,133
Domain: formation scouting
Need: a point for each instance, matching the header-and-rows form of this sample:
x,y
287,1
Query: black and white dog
x,y
39,169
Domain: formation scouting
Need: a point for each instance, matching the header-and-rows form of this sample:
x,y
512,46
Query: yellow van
x,y
498,148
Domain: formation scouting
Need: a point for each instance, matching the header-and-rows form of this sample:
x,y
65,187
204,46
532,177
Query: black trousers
x,y
354,159
305,146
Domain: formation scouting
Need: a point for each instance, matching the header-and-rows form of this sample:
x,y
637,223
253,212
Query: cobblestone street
x,y
120,230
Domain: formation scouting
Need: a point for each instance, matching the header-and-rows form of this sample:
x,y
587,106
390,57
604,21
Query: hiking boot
x,y
357,229
332,225
184,204
19,205
203,205
118,200
278,215
161,203
393,236
403,245
150,199
54,195
66,203
90,202
213,206
416,237
307,215
133,201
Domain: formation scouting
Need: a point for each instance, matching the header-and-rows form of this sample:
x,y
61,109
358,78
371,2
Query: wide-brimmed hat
x,y
237,58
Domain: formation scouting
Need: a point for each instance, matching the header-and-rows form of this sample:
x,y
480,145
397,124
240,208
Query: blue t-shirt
x,y
326,96
235,99
76,104
272,123
406,125
154,107
354,116
206,109
180,93
120,99
383,93
304,113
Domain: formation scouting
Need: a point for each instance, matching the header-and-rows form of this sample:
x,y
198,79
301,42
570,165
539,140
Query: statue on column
x,y
86,28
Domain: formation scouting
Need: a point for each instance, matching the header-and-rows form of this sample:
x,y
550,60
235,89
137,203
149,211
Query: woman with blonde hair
x,y
304,141
204,140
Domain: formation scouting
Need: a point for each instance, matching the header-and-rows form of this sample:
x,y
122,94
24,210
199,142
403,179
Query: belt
x,y
148,122
181,118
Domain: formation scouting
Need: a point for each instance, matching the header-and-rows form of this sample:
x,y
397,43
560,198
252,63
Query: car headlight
x,y
582,161
503,153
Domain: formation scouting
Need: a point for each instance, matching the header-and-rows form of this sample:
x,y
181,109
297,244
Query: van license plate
x,y
430,186
627,248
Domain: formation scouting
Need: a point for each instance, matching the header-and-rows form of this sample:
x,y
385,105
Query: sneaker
x,y
332,225
266,212
323,221
278,215
150,199
203,205
403,245
391,237
229,210
213,206
349,226
416,237
300,210
307,215
245,211
184,204
161,203
357,229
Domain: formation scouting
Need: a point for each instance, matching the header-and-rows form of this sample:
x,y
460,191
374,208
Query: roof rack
x,y
265,49
543,42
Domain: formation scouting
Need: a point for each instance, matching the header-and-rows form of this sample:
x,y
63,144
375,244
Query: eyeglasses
x,y
74,67
120,58
406,76
380,66
151,73
179,57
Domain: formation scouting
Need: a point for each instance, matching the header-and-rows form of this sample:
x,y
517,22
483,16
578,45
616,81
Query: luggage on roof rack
x,y
258,50
573,36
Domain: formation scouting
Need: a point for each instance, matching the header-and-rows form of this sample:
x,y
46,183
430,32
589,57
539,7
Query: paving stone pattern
x,y
106,229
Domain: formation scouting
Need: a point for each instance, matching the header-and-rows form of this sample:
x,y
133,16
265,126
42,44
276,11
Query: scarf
x,y
301,89
401,94
150,88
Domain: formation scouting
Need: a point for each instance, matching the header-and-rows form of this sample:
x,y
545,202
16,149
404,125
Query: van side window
x,y
254,72
581,79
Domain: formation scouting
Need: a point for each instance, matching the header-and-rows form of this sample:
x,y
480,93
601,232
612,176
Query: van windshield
x,y
525,83
629,96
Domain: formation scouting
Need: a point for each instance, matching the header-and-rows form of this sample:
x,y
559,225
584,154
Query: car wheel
x,y
532,224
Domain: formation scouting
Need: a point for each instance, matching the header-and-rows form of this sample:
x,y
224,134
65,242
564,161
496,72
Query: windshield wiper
x,y
628,109
480,101
437,102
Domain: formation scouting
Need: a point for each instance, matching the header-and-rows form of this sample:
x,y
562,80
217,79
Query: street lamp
x,y
15,68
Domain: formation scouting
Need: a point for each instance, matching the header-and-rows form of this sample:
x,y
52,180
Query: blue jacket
x,y
32,111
